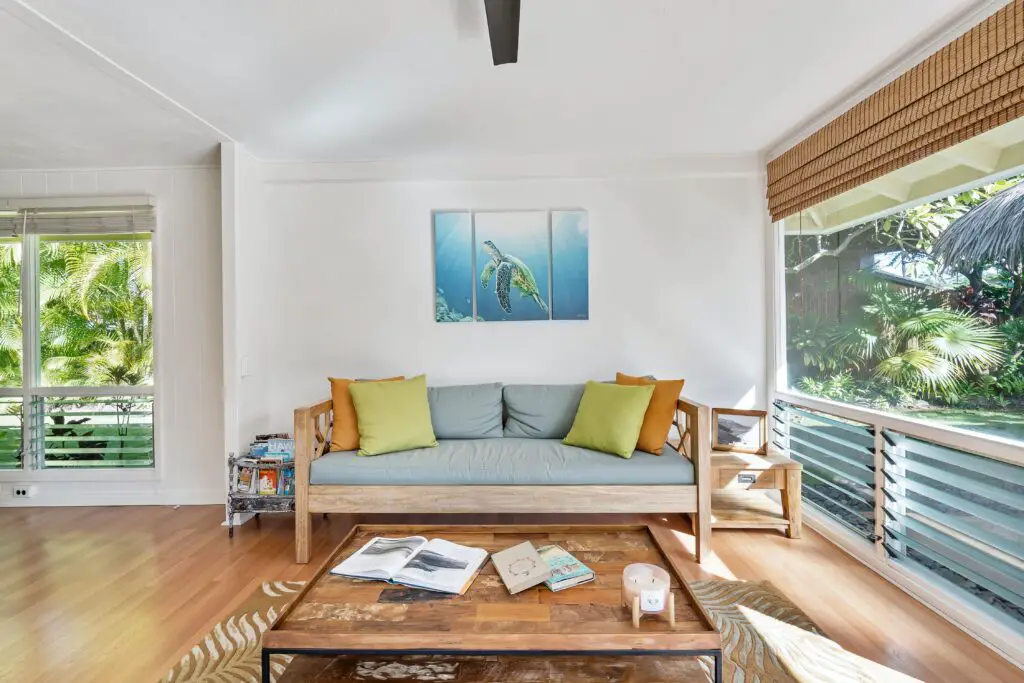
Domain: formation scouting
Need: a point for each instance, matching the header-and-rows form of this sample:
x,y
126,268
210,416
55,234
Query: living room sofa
x,y
500,450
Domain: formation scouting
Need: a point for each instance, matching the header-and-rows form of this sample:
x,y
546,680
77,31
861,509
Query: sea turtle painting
x,y
509,272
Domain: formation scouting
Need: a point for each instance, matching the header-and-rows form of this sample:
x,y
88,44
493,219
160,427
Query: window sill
x,y
80,475
988,445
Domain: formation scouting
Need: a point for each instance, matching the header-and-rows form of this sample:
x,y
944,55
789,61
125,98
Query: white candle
x,y
648,583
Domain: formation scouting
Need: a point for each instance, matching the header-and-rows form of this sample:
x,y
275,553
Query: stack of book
x,y
523,566
267,470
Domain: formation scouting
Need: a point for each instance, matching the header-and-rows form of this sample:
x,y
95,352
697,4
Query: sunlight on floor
x,y
712,565
809,657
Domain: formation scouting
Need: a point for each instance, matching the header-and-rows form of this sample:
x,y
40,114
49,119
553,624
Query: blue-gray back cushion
x,y
466,412
541,411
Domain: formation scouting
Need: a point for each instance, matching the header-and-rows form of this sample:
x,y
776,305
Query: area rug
x,y
765,637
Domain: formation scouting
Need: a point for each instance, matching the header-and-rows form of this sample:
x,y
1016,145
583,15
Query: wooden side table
x,y
738,499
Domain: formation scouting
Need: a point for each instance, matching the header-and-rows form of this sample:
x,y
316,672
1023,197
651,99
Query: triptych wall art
x,y
511,265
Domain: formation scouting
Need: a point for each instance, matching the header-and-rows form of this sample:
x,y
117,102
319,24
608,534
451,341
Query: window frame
x,y
32,463
980,443
916,583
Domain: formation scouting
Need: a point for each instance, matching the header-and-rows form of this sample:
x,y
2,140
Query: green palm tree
x,y
96,326
10,314
902,338
96,312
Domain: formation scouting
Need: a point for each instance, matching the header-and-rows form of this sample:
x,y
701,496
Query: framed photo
x,y
739,431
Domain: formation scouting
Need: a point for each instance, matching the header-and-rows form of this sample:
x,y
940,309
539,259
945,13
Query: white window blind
x,y
78,220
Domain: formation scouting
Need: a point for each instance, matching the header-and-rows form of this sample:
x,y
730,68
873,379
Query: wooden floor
x,y
115,594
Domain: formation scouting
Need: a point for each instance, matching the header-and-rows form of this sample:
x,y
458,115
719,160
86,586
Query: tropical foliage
x,y
95,311
95,329
906,345
948,335
10,313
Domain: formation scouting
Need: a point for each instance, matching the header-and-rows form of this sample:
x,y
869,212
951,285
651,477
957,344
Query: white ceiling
x,y
351,80
56,111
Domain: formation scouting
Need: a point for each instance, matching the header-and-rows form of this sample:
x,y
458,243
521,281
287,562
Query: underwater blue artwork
x,y
570,271
511,265
453,267
513,252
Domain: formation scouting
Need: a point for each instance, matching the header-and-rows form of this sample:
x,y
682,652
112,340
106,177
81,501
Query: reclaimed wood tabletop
x,y
335,614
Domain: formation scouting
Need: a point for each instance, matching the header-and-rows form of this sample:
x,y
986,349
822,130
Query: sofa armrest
x,y
312,439
694,424
312,431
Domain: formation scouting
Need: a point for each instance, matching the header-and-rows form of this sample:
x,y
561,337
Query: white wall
x,y
188,346
336,278
243,241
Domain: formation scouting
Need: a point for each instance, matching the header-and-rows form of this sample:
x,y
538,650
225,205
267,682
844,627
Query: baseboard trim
x,y
999,638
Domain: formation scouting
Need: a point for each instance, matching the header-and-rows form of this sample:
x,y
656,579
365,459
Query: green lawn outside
x,y
1005,423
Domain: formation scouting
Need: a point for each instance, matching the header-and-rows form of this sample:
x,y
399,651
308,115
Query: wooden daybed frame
x,y
312,439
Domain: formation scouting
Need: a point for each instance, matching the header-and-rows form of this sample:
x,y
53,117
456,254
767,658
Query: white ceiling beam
x,y
888,186
77,47
815,215
976,154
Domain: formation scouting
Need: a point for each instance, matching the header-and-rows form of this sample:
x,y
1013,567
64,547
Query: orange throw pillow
x,y
345,430
660,411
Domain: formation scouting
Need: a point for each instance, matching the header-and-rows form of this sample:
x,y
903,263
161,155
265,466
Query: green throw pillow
x,y
392,416
610,417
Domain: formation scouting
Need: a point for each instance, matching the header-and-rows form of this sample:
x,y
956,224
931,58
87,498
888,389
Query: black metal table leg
x,y
718,666
265,665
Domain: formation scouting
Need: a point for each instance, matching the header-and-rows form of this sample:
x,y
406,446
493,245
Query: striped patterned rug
x,y
766,639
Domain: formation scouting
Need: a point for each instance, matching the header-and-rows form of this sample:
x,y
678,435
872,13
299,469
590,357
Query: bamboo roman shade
x,y
78,221
968,87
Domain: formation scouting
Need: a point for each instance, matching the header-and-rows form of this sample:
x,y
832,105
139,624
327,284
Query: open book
x,y
435,565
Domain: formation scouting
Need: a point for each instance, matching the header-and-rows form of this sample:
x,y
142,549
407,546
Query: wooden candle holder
x,y
669,614
651,584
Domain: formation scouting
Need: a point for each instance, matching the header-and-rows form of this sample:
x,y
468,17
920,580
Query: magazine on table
x,y
435,565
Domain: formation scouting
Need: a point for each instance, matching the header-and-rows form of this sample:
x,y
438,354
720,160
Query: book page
x,y
380,558
441,565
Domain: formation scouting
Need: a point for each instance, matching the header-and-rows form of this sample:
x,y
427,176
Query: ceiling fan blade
x,y
503,28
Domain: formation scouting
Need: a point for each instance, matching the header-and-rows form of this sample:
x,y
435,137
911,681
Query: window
x,y
76,338
879,315
956,517
838,460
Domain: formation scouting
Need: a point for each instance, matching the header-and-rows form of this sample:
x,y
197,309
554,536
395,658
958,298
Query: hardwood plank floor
x,y
115,594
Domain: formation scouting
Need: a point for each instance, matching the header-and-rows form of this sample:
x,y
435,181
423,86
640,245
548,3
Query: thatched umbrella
x,y
991,232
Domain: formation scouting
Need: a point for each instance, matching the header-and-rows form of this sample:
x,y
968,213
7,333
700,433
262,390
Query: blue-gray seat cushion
x,y
541,411
506,461
466,412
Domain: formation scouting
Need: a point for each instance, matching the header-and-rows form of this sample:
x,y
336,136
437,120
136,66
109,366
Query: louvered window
x,y
953,518
959,518
838,460
76,336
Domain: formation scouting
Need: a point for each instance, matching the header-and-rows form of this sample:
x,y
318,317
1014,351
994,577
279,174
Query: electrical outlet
x,y
22,490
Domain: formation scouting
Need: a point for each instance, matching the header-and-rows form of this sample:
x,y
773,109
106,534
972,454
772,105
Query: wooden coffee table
x,y
334,615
